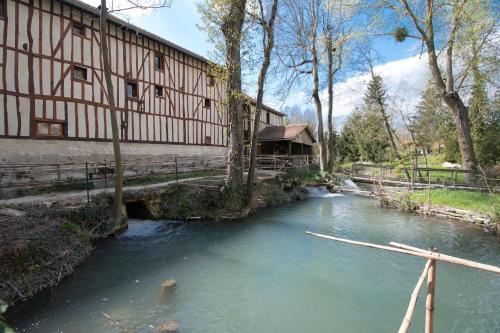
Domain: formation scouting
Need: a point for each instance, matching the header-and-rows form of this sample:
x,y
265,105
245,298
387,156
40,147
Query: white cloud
x,y
402,78
404,81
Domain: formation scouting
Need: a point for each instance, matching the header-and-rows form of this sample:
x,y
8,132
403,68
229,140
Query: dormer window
x,y
268,118
78,29
159,64
210,80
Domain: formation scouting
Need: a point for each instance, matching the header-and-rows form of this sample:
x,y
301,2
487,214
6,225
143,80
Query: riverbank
x,y
470,207
41,242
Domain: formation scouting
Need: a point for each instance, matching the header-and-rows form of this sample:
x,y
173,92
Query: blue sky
x,y
400,66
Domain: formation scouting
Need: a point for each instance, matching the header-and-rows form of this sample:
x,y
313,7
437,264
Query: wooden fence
x,y
436,176
27,179
18,180
280,163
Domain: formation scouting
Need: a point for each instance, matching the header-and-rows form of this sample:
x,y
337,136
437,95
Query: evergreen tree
x,y
484,118
363,137
434,124
375,100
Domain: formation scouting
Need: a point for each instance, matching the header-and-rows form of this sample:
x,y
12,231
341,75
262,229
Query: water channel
x,y
262,274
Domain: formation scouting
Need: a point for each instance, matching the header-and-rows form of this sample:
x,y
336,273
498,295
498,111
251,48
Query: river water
x,y
264,275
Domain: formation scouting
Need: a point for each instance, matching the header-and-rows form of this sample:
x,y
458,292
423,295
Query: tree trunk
x,y
118,199
260,96
391,139
331,131
315,93
461,116
447,93
231,29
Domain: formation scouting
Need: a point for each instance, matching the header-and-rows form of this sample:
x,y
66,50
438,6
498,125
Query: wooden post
x,y
289,148
429,302
405,325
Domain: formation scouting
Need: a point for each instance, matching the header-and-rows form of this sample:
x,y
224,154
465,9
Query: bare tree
x,y
422,18
299,53
223,20
335,36
103,23
232,26
314,6
267,44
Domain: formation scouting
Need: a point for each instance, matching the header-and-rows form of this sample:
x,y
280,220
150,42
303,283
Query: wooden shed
x,y
296,139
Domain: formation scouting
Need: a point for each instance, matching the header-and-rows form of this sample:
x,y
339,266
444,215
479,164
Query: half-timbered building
x,y
53,97
53,103
268,117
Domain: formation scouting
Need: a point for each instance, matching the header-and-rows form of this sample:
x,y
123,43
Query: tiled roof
x,y
286,133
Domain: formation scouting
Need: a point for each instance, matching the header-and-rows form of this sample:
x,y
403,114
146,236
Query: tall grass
x,y
468,200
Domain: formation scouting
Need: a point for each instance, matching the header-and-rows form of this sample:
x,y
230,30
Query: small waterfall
x,y
322,192
350,185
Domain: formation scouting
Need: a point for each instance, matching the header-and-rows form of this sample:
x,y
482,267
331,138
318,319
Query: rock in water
x,y
168,284
169,326
165,288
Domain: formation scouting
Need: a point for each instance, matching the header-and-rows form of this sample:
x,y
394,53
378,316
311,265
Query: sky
x,y
404,72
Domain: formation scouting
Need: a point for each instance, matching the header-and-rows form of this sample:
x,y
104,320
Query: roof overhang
x,y
111,18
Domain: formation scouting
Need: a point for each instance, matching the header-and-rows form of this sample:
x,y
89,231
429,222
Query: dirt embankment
x,y
40,246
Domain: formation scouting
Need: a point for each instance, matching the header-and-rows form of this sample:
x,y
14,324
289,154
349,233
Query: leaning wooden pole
x,y
405,325
118,195
430,255
431,296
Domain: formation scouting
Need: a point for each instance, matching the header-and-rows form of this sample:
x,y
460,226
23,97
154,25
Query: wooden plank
x,y
430,255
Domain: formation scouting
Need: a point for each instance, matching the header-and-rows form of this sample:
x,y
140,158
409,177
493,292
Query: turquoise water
x,y
264,275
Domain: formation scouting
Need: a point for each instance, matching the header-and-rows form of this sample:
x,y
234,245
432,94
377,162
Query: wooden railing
x,y
25,179
18,180
279,163
436,176
428,273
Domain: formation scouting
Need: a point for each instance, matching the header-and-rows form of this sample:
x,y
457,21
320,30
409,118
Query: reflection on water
x,y
264,275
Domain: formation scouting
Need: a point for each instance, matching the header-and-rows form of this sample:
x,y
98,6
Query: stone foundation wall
x,y
19,151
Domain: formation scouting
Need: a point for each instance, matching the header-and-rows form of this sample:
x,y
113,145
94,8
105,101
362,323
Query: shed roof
x,y
284,133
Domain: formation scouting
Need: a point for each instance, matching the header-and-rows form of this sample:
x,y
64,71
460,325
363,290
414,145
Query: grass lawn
x,y
475,201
